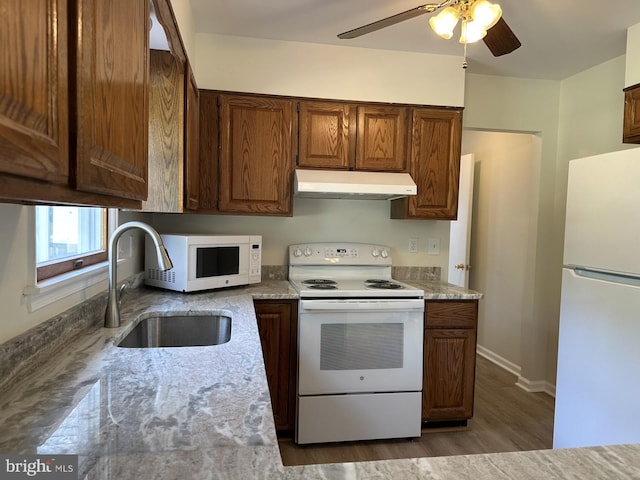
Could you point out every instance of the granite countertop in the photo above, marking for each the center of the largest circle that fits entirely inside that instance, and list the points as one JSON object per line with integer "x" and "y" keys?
{"x": 205, "y": 412}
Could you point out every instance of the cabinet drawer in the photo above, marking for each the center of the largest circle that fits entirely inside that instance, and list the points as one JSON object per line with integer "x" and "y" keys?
{"x": 451, "y": 314}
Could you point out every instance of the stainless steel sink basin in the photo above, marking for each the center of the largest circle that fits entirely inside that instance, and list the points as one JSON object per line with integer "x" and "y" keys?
{"x": 179, "y": 331}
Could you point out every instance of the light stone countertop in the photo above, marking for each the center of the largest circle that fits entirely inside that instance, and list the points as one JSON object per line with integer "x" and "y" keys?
{"x": 205, "y": 412}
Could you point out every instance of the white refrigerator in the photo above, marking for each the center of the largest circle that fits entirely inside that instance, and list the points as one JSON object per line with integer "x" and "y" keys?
{"x": 598, "y": 376}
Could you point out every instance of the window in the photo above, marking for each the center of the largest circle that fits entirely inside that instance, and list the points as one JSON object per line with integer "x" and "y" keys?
{"x": 69, "y": 238}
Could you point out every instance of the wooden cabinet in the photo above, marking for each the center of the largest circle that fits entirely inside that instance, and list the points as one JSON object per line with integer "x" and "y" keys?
{"x": 166, "y": 134}
{"x": 277, "y": 324}
{"x": 344, "y": 136}
{"x": 382, "y": 139}
{"x": 174, "y": 177}
{"x": 73, "y": 101}
{"x": 192, "y": 135}
{"x": 449, "y": 360}
{"x": 631, "y": 127}
{"x": 252, "y": 166}
{"x": 326, "y": 135}
{"x": 434, "y": 158}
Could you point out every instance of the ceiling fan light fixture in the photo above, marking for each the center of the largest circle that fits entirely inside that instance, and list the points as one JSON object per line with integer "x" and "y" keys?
{"x": 444, "y": 23}
{"x": 485, "y": 13}
{"x": 472, "y": 32}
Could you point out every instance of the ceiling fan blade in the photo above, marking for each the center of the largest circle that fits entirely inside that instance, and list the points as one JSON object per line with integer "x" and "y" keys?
{"x": 500, "y": 39}
{"x": 386, "y": 22}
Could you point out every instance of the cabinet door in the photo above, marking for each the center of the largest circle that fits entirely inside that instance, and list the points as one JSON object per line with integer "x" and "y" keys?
{"x": 192, "y": 133}
{"x": 435, "y": 165}
{"x": 34, "y": 137}
{"x": 631, "y": 129}
{"x": 449, "y": 374}
{"x": 256, "y": 166}
{"x": 166, "y": 134}
{"x": 208, "y": 151}
{"x": 382, "y": 139}
{"x": 326, "y": 135}
{"x": 110, "y": 108}
{"x": 277, "y": 322}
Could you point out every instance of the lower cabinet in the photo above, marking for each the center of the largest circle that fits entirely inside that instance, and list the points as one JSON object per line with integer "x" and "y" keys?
{"x": 449, "y": 360}
{"x": 278, "y": 327}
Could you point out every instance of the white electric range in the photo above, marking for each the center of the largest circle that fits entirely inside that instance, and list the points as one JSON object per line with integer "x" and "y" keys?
{"x": 360, "y": 336}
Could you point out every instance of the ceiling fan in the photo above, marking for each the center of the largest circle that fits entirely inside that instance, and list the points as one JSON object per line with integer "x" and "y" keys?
{"x": 479, "y": 20}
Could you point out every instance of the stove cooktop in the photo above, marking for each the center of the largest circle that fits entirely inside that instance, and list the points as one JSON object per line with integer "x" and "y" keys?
{"x": 345, "y": 288}
{"x": 345, "y": 269}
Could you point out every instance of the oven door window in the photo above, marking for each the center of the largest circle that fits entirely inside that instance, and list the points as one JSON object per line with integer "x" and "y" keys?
{"x": 359, "y": 351}
{"x": 361, "y": 346}
{"x": 217, "y": 261}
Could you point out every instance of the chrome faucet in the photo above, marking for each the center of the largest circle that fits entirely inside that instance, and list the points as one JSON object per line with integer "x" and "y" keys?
{"x": 112, "y": 315}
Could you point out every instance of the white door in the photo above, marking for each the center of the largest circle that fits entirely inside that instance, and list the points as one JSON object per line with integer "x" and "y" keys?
{"x": 460, "y": 230}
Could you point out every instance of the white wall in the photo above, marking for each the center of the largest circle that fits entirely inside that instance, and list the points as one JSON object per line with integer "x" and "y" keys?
{"x": 503, "y": 230}
{"x": 528, "y": 106}
{"x": 632, "y": 69}
{"x": 327, "y": 71}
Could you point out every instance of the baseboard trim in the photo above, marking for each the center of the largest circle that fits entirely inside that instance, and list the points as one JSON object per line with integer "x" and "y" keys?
{"x": 531, "y": 386}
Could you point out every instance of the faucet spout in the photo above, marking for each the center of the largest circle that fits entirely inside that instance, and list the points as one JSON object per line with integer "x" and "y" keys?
{"x": 112, "y": 314}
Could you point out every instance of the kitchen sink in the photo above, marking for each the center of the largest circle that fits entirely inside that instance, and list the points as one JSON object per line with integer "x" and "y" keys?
{"x": 179, "y": 331}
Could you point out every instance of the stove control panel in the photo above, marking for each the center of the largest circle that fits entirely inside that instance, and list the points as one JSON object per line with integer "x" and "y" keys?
{"x": 339, "y": 254}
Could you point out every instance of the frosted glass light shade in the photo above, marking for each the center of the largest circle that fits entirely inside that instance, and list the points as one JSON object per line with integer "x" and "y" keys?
{"x": 444, "y": 23}
{"x": 485, "y": 13}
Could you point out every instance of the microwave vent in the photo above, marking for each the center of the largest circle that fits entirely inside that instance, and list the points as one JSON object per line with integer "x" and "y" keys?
{"x": 166, "y": 276}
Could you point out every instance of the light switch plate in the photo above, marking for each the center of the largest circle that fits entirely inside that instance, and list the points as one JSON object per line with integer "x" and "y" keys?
{"x": 433, "y": 246}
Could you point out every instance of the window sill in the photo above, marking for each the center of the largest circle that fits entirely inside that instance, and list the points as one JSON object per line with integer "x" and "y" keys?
{"x": 54, "y": 289}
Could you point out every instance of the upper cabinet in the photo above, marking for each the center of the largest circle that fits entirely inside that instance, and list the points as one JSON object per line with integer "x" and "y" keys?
{"x": 631, "y": 127}
{"x": 434, "y": 159}
{"x": 173, "y": 120}
{"x": 345, "y": 136}
{"x": 326, "y": 135}
{"x": 246, "y": 154}
{"x": 382, "y": 139}
{"x": 73, "y": 102}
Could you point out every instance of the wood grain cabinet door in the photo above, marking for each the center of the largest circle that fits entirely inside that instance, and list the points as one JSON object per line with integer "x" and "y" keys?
{"x": 110, "y": 114}
{"x": 277, "y": 322}
{"x": 382, "y": 139}
{"x": 326, "y": 135}
{"x": 435, "y": 165}
{"x": 631, "y": 128}
{"x": 34, "y": 137}
{"x": 255, "y": 164}
{"x": 449, "y": 374}
{"x": 192, "y": 134}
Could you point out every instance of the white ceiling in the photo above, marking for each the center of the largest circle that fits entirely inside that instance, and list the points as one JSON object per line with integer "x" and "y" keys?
{"x": 559, "y": 37}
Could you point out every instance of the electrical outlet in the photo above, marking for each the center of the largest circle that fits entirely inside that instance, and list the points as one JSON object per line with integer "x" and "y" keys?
{"x": 413, "y": 245}
{"x": 433, "y": 246}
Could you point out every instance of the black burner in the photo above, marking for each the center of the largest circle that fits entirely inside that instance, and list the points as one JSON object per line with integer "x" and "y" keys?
{"x": 319, "y": 281}
{"x": 323, "y": 286}
{"x": 383, "y": 284}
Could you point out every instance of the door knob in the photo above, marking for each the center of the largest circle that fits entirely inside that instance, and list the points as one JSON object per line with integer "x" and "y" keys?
{"x": 459, "y": 266}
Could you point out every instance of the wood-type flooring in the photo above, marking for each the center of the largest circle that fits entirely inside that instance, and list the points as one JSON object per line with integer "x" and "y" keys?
{"x": 506, "y": 419}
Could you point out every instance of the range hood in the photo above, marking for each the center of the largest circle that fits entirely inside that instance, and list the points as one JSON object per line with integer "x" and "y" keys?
{"x": 353, "y": 185}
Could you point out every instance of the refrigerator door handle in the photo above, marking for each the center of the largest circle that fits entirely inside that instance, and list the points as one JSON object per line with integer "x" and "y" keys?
{"x": 625, "y": 279}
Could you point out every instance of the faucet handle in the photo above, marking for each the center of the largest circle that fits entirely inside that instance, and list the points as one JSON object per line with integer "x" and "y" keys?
{"x": 121, "y": 290}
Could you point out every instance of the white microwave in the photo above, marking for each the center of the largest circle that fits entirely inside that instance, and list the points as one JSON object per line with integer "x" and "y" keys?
{"x": 204, "y": 262}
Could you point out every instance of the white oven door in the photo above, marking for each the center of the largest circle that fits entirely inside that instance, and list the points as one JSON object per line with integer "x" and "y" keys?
{"x": 360, "y": 345}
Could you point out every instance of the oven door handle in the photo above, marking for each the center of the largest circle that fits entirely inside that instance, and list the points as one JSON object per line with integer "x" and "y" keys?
{"x": 362, "y": 304}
